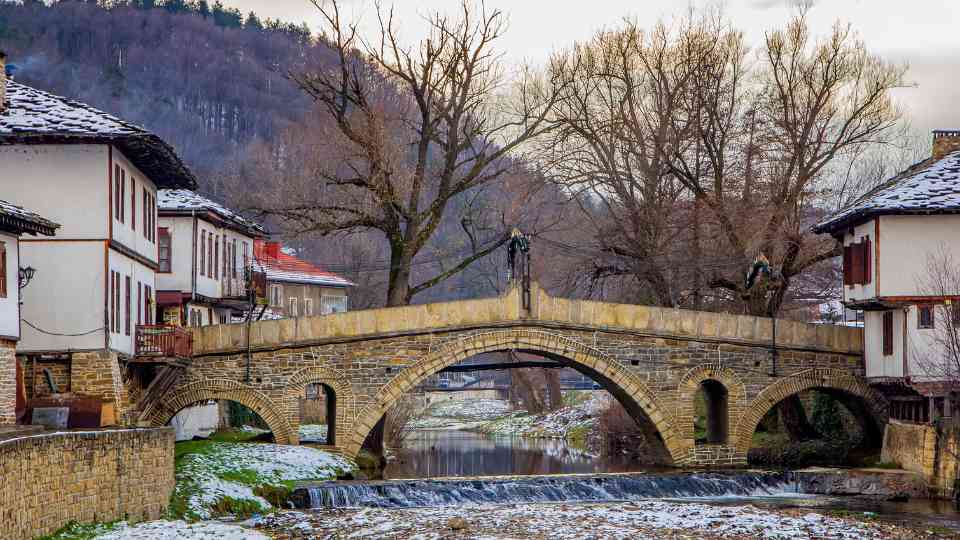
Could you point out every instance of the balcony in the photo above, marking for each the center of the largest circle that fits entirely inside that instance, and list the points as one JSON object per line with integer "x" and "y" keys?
{"x": 160, "y": 341}
{"x": 233, "y": 288}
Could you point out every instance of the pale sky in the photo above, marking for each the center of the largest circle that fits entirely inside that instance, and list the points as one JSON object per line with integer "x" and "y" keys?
{"x": 924, "y": 33}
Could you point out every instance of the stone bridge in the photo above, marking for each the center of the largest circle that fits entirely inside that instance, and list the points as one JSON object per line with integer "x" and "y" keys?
{"x": 652, "y": 359}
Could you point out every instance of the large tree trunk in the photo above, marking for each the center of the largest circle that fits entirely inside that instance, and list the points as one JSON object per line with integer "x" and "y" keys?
{"x": 398, "y": 285}
{"x": 794, "y": 419}
{"x": 554, "y": 392}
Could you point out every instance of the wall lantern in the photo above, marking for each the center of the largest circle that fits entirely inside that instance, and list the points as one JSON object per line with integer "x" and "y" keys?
{"x": 25, "y": 275}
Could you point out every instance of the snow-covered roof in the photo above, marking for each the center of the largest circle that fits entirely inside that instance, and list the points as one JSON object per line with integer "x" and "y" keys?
{"x": 172, "y": 201}
{"x": 282, "y": 267}
{"x": 929, "y": 187}
{"x": 36, "y": 117}
{"x": 15, "y": 219}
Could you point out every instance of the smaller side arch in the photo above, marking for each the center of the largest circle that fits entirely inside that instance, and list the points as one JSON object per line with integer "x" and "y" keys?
{"x": 817, "y": 378}
{"x": 689, "y": 385}
{"x": 160, "y": 413}
{"x": 346, "y": 403}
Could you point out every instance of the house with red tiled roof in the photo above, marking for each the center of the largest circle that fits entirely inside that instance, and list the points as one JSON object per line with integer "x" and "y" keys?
{"x": 297, "y": 288}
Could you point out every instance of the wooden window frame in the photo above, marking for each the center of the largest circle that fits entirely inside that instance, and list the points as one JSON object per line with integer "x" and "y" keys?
{"x": 133, "y": 204}
{"x": 128, "y": 294}
{"x": 140, "y": 310}
{"x": 926, "y": 308}
{"x": 293, "y": 309}
{"x": 203, "y": 252}
{"x": 307, "y": 307}
{"x": 887, "y": 333}
{"x": 216, "y": 256}
{"x": 209, "y": 255}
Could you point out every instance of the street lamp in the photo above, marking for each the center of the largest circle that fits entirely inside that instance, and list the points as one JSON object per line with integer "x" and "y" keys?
{"x": 25, "y": 275}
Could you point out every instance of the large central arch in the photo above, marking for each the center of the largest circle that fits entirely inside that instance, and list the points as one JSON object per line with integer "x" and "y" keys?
{"x": 625, "y": 385}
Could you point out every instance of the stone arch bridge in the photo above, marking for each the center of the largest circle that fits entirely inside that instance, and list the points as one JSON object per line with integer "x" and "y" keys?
{"x": 652, "y": 359}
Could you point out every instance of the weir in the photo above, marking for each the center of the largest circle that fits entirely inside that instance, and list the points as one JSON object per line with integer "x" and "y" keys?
{"x": 540, "y": 489}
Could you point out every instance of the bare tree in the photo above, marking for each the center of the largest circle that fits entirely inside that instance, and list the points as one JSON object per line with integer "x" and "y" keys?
{"x": 396, "y": 425}
{"x": 414, "y": 128}
{"x": 702, "y": 159}
{"x": 938, "y": 357}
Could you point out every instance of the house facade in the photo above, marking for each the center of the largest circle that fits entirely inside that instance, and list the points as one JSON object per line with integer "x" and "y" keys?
{"x": 205, "y": 251}
{"x": 97, "y": 176}
{"x": 14, "y": 222}
{"x": 895, "y": 240}
{"x": 296, "y": 288}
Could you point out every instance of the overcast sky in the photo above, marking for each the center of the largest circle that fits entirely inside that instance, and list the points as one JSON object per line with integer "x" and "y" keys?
{"x": 924, "y": 33}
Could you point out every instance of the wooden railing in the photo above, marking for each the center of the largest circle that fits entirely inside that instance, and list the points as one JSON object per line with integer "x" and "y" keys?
{"x": 163, "y": 341}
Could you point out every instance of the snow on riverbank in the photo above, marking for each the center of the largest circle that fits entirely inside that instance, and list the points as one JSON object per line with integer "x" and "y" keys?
{"x": 180, "y": 530}
{"x": 641, "y": 520}
{"x": 210, "y": 473}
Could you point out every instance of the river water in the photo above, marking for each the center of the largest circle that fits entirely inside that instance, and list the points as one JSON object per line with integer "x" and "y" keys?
{"x": 579, "y": 476}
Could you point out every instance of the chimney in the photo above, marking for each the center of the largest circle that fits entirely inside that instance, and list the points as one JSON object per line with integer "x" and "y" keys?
{"x": 945, "y": 141}
{"x": 273, "y": 250}
{"x": 3, "y": 81}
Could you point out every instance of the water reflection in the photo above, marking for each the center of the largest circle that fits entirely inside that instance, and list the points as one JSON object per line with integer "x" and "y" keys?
{"x": 435, "y": 453}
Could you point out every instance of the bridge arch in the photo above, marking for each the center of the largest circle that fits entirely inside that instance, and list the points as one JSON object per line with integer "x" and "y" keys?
{"x": 718, "y": 378}
{"x": 344, "y": 406}
{"x": 839, "y": 382}
{"x": 217, "y": 389}
{"x": 627, "y": 387}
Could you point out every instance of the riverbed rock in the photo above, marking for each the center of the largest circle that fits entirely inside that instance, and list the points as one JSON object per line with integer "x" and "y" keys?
{"x": 458, "y": 524}
{"x": 885, "y": 484}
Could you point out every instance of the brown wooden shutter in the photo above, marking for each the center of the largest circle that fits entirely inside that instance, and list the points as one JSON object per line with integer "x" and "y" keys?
{"x": 856, "y": 263}
{"x": 887, "y": 333}
{"x": 848, "y": 265}
{"x": 867, "y": 260}
{"x": 127, "y": 305}
{"x": 3, "y": 270}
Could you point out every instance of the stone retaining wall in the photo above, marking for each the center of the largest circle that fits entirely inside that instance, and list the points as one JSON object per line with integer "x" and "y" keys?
{"x": 49, "y": 480}
{"x": 8, "y": 382}
{"x": 925, "y": 449}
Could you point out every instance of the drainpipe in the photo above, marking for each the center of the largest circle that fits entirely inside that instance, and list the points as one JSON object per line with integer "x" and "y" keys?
{"x": 193, "y": 262}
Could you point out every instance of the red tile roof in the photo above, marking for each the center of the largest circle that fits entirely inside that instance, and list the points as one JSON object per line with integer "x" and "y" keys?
{"x": 280, "y": 266}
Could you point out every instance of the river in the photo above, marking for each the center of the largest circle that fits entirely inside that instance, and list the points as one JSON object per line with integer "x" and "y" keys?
{"x": 437, "y": 454}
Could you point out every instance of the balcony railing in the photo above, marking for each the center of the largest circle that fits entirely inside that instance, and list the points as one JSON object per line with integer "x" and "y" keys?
{"x": 160, "y": 340}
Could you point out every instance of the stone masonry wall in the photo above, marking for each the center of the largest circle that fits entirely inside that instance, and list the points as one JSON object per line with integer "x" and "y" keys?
{"x": 927, "y": 450}
{"x": 49, "y": 480}
{"x": 8, "y": 382}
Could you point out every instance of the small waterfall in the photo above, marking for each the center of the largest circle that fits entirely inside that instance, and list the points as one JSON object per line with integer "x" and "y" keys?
{"x": 618, "y": 487}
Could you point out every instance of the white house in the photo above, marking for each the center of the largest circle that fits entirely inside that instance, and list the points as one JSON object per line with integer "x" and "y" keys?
{"x": 892, "y": 237}
{"x": 205, "y": 251}
{"x": 97, "y": 176}
{"x": 14, "y": 222}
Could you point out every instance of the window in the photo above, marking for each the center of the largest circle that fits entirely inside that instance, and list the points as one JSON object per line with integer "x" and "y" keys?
{"x": 117, "y": 201}
{"x": 140, "y": 309}
{"x": 955, "y": 315}
{"x": 133, "y": 204}
{"x": 3, "y": 270}
{"x": 308, "y": 306}
{"x": 115, "y": 299}
{"x": 164, "y": 250}
{"x": 292, "y": 308}
{"x": 144, "y": 205}
{"x": 925, "y": 317}
{"x": 233, "y": 259}
{"x": 857, "y": 269}
{"x": 276, "y": 296}
{"x": 148, "y": 307}
{"x": 332, "y": 304}
{"x": 203, "y": 252}
{"x": 127, "y": 304}
{"x": 887, "y": 333}
{"x": 246, "y": 256}
{"x": 216, "y": 257}
{"x": 209, "y": 255}
{"x": 122, "y": 199}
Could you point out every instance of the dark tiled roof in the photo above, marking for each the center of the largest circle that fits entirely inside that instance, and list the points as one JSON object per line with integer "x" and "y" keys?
{"x": 929, "y": 187}
{"x": 288, "y": 268}
{"x": 36, "y": 117}
{"x": 15, "y": 219}
{"x": 184, "y": 200}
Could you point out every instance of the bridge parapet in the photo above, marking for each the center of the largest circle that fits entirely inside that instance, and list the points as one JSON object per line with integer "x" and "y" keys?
{"x": 545, "y": 310}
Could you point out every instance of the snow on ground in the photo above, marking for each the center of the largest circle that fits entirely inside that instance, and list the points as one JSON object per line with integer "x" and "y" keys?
{"x": 313, "y": 433}
{"x": 232, "y": 470}
{"x": 180, "y": 530}
{"x": 640, "y": 520}
{"x": 463, "y": 414}
{"x": 558, "y": 424}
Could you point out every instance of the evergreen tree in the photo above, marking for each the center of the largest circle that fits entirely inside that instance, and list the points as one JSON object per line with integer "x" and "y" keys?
{"x": 826, "y": 417}
{"x": 253, "y": 22}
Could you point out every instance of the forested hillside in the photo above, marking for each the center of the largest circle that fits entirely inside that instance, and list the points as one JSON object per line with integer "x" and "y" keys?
{"x": 206, "y": 78}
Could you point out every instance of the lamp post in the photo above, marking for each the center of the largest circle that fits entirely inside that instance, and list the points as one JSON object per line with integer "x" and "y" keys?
{"x": 24, "y": 275}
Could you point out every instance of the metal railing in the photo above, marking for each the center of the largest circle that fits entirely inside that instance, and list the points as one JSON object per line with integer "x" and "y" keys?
{"x": 163, "y": 340}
